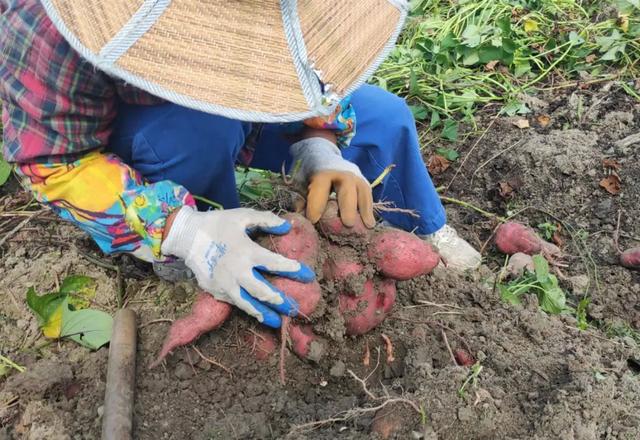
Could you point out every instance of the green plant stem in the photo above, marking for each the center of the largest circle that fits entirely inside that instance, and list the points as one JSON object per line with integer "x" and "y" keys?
{"x": 473, "y": 208}
{"x": 10, "y": 363}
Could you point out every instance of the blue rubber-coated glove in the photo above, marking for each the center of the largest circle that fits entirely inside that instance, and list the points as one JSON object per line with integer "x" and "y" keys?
{"x": 228, "y": 264}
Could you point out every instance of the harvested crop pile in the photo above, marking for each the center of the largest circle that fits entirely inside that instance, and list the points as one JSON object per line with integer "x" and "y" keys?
{"x": 357, "y": 269}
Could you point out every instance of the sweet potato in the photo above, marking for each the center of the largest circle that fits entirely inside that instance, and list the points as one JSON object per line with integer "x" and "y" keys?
{"x": 343, "y": 269}
{"x": 512, "y": 238}
{"x": 330, "y": 224}
{"x": 463, "y": 357}
{"x": 366, "y": 311}
{"x": 305, "y": 343}
{"x": 301, "y": 243}
{"x": 631, "y": 258}
{"x": 261, "y": 342}
{"x": 401, "y": 255}
{"x": 307, "y": 295}
{"x": 207, "y": 313}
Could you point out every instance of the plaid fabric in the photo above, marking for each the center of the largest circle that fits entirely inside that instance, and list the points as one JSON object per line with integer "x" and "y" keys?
{"x": 55, "y": 103}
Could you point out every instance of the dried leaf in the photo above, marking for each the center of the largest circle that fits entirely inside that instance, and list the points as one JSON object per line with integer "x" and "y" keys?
{"x": 438, "y": 164}
{"x": 521, "y": 123}
{"x": 612, "y": 184}
{"x": 506, "y": 190}
{"x": 557, "y": 236}
{"x": 611, "y": 164}
{"x": 491, "y": 65}
{"x": 544, "y": 120}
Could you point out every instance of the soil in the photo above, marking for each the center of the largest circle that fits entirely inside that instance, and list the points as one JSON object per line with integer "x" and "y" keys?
{"x": 537, "y": 376}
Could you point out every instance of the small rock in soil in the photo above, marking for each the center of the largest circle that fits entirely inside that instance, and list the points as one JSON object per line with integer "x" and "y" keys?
{"x": 466, "y": 414}
{"x": 183, "y": 372}
{"x": 338, "y": 369}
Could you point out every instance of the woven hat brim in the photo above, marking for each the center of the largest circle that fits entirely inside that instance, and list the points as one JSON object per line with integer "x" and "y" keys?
{"x": 255, "y": 60}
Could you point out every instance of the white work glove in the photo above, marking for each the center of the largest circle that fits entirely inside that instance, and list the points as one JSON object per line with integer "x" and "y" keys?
{"x": 217, "y": 248}
{"x": 319, "y": 165}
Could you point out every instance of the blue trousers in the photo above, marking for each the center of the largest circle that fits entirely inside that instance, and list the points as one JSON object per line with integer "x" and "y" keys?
{"x": 199, "y": 151}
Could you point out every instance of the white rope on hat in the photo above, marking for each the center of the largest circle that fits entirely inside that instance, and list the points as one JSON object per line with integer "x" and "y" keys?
{"x": 311, "y": 83}
{"x": 138, "y": 25}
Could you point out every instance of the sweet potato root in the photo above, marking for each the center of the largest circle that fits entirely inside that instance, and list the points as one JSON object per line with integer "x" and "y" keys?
{"x": 370, "y": 308}
{"x": 631, "y": 258}
{"x": 262, "y": 343}
{"x": 401, "y": 255}
{"x": 207, "y": 313}
{"x": 305, "y": 343}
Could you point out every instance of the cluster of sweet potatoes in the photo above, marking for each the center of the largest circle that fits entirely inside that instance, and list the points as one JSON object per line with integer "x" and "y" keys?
{"x": 357, "y": 269}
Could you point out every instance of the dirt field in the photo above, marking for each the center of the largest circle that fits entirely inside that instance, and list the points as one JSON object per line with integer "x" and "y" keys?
{"x": 541, "y": 377}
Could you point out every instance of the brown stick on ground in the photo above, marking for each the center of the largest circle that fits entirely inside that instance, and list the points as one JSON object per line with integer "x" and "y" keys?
{"x": 117, "y": 421}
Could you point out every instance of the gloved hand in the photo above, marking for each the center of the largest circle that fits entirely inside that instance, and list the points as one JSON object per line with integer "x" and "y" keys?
{"x": 323, "y": 169}
{"x": 216, "y": 246}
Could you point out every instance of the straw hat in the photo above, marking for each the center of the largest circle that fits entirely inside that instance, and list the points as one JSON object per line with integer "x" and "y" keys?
{"x": 255, "y": 60}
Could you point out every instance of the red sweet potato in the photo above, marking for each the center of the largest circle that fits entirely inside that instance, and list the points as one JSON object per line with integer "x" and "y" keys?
{"x": 631, "y": 258}
{"x": 307, "y": 295}
{"x": 305, "y": 343}
{"x": 301, "y": 243}
{"x": 401, "y": 255}
{"x": 463, "y": 357}
{"x": 207, "y": 313}
{"x": 330, "y": 224}
{"x": 512, "y": 238}
{"x": 339, "y": 269}
{"x": 366, "y": 311}
{"x": 261, "y": 342}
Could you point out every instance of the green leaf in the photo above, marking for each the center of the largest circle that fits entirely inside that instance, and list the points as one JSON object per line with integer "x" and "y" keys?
{"x": 541, "y": 267}
{"x": 435, "y": 119}
{"x": 419, "y": 112}
{"x": 448, "y": 153}
{"x": 508, "y": 296}
{"x": 90, "y": 328}
{"x": 414, "y": 87}
{"x": 450, "y": 130}
{"x": 551, "y": 298}
{"x": 76, "y": 284}
{"x": 81, "y": 290}
{"x": 44, "y": 306}
{"x": 471, "y": 36}
{"x": 5, "y": 170}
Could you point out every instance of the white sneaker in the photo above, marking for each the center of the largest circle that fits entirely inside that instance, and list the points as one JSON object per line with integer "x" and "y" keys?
{"x": 456, "y": 253}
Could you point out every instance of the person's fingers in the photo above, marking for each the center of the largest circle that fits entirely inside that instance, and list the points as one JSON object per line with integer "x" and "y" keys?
{"x": 318, "y": 196}
{"x": 347, "y": 201}
{"x": 276, "y": 264}
{"x": 365, "y": 203}
{"x": 258, "y": 310}
{"x": 299, "y": 205}
{"x": 265, "y": 221}
{"x": 261, "y": 289}
{"x": 272, "y": 261}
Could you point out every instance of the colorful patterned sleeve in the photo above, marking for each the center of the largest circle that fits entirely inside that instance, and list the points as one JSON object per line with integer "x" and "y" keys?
{"x": 109, "y": 200}
{"x": 342, "y": 121}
